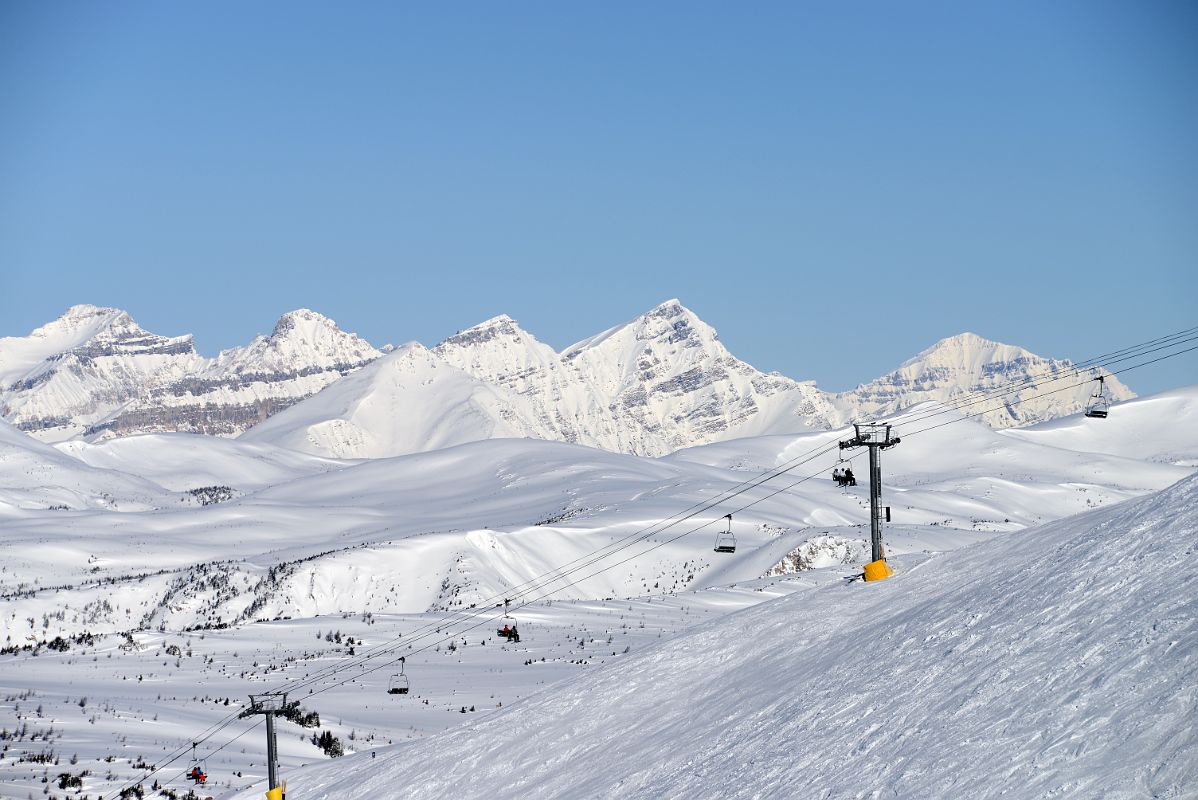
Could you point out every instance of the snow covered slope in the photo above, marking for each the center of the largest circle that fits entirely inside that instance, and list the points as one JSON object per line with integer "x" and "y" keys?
{"x": 409, "y": 401}
{"x": 958, "y": 472}
{"x": 1162, "y": 427}
{"x": 1061, "y": 661}
{"x": 455, "y": 525}
{"x": 182, "y": 461}
{"x": 410, "y": 540}
{"x": 34, "y": 475}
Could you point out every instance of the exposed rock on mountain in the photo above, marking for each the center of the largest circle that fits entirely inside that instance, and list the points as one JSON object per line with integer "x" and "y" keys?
{"x": 658, "y": 383}
{"x": 669, "y": 382}
{"x": 953, "y": 368}
{"x": 95, "y": 372}
{"x": 558, "y": 398}
{"x": 243, "y": 386}
{"x": 78, "y": 370}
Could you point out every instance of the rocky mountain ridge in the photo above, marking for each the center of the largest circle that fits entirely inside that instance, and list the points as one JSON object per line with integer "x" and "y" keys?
{"x": 954, "y": 368}
{"x": 95, "y": 373}
{"x": 655, "y": 384}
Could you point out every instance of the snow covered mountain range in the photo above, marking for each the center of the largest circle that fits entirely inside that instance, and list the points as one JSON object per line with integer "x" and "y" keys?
{"x": 95, "y": 373}
{"x": 656, "y": 384}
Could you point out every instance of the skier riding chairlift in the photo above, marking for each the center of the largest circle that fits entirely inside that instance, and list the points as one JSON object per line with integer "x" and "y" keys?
{"x": 842, "y": 473}
{"x": 509, "y": 630}
{"x": 197, "y": 772}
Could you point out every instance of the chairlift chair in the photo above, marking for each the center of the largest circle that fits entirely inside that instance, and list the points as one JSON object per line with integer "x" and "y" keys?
{"x": 508, "y": 622}
{"x": 1100, "y": 401}
{"x": 841, "y": 465}
{"x": 399, "y": 683}
{"x": 725, "y": 542}
{"x": 197, "y": 772}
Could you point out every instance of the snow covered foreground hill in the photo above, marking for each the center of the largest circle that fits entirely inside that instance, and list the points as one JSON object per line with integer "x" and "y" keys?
{"x": 1061, "y": 661}
{"x": 444, "y": 529}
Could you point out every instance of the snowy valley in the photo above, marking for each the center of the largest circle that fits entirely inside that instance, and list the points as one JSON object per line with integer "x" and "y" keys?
{"x": 386, "y": 503}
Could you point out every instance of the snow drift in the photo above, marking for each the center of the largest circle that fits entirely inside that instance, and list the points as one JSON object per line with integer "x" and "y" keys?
{"x": 1061, "y": 661}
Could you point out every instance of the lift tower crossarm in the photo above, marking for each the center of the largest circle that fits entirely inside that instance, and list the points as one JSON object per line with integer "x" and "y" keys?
{"x": 876, "y": 437}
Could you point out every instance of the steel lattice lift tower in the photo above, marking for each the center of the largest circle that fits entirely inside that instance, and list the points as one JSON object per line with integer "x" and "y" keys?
{"x": 877, "y": 437}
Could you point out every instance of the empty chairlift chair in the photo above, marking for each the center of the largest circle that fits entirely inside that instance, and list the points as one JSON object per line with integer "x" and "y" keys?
{"x": 725, "y": 542}
{"x": 1100, "y": 401}
{"x": 399, "y": 683}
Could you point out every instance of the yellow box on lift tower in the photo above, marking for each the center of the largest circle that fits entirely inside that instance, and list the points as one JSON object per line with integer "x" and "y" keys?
{"x": 877, "y": 570}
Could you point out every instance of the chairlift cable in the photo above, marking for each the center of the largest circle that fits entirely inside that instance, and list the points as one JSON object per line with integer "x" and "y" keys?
{"x": 669, "y": 540}
{"x": 644, "y": 534}
{"x": 1016, "y": 386}
{"x": 582, "y": 562}
{"x": 980, "y": 395}
{"x": 1095, "y": 361}
{"x": 699, "y": 507}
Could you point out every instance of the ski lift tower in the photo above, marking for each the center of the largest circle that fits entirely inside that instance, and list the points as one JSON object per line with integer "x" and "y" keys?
{"x": 877, "y": 437}
{"x": 269, "y": 704}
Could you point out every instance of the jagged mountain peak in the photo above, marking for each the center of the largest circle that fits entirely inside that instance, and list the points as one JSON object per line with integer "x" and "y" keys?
{"x": 301, "y": 319}
{"x": 498, "y": 319}
{"x": 669, "y": 322}
{"x": 963, "y": 340}
{"x": 82, "y": 322}
{"x": 968, "y": 363}
{"x": 307, "y": 335}
{"x": 673, "y": 305}
{"x": 87, "y": 310}
{"x": 500, "y": 352}
{"x": 87, "y": 331}
{"x": 673, "y": 322}
{"x": 485, "y": 331}
{"x": 968, "y": 345}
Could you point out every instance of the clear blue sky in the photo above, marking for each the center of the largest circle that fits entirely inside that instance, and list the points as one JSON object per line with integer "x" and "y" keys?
{"x": 833, "y": 186}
